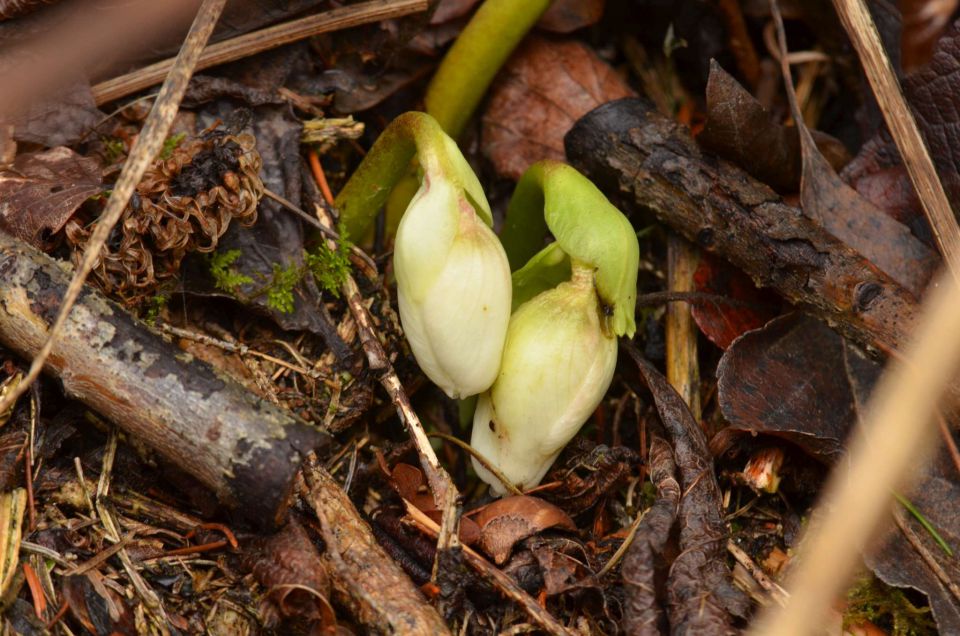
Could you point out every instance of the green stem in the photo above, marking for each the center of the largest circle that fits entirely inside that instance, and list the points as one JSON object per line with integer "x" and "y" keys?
{"x": 588, "y": 228}
{"x": 474, "y": 59}
{"x": 408, "y": 136}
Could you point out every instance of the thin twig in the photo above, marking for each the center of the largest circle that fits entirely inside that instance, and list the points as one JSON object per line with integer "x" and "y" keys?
{"x": 149, "y": 143}
{"x": 777, "y": 593}
{"x": 444, "y": 491}
{"x": 501, "y": 581}
{"x": 263, "y": 40}
{"x": 860, "y": 27}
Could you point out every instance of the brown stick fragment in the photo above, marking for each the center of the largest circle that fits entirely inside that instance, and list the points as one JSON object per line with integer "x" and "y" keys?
{"x": 647, "y": 162}
{"x": 245, "y": 450}
{"x": 263, "y": 40}
{"x": 495, "y": 575}
{"x": 445, "y": 493}
{"x": 365, "y": 580}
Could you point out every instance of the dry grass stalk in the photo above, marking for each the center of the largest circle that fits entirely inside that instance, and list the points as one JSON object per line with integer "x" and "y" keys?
{"x": 894, "y": 440}
{"x": 903, "y": 127}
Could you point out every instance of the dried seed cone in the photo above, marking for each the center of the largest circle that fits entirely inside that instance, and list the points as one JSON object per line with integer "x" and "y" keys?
{"x": 183, "y": 204}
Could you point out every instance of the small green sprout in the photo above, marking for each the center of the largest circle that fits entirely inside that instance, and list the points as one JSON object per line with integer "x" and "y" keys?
{"x": 170, "y": 144}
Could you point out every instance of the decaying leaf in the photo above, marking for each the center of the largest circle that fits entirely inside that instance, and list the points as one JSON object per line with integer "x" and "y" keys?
{"x": 642, "y": 611}
{"x": 567, "y": 16}
{"x": 544, "y": 88}
{"x": 700, "y": 591}
{"x": 723, "y": 322}
{"x": 97, "y": 607}
{"x": 511, "y": 519}
{"x": 739, "y": 128}
{"x": 586, "y": 472}
{"x": 293, "y": 575}
{"x": 797, "y": 379}
{"x": 839, "y": 209}
{"x": 41, "y": 191}
{"x": 409, "y": 482}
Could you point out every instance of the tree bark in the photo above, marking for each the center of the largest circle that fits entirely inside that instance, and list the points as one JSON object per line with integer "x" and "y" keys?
{"x": 247, "y": 451}
{"x": 646, "y": 162}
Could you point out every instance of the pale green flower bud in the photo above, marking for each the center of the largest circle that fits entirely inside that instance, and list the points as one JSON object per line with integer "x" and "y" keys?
{"x": 557, "y": 365}
{"x": 453, "y": 279}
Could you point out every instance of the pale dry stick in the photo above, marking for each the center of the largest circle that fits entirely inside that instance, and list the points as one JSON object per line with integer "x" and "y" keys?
{"x": 897, "y": 435}
{"x": 495, "y": 575}
{"x": 148, "y": 144}
{"x": 683, "y": 369}
{"x": 859, "y": 26}
{"x": 263, "y": 40}
{"x": 777, "y": 593}
{"x": 445, "y": 492}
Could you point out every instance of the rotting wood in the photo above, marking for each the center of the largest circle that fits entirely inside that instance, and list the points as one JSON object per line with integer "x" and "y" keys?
{"x": 645, "y": 162}
{"x": 245, "y": 450}
{"x": 365, "y": 579}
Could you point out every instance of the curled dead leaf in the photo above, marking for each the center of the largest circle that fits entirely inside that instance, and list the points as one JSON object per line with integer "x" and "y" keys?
{"x": 42, "y": 190}
{"x": 544, "y": 88}
{"x": 512, "y": 519}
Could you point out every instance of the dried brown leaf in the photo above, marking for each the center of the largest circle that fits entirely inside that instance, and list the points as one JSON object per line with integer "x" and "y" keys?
{"x": 739, "y": 128}
{"x": 40, "y": 193}
{"x": 511, "y": 519}
{"x": 642, "y": 611}
{"x": 567, "y": 16}
{"x": 700, "y": 591}
{"x": 797, "y": 379}
{"x": 289, "y": 567}
{"x": 544, "y": 88}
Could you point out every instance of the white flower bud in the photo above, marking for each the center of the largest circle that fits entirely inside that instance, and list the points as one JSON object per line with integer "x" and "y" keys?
{"x": 557, "y": 365}
{"x": 453, "y": 286}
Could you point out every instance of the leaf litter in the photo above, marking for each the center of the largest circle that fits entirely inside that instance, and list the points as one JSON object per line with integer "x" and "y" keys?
{"x": 600, "y": 546}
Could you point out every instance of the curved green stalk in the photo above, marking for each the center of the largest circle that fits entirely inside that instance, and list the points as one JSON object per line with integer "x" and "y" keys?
{"x": 588, "y": 228}
{"x": 474, "y": 59}
{"x": 410, "y": 135}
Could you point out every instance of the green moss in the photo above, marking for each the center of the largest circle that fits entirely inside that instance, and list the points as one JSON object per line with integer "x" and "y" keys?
{"x": 225, "y": 277}
{"x": 887, "y": 607}
{"x": 280, "y": 290}
{"x": 330, "y": 267}
{"x": 170, "y": 144}
{"x": 154, "y": 306}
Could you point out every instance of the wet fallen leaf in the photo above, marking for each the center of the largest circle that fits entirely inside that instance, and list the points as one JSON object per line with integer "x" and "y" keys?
{"x": 642, "y": 610}
{"x": 567, "y": 16}
{"x": 700, "y": 591}
{"x": 740, "y": 129}
{"x": 409, "y": 482}
{"x": 720, "y": 322}
{"x": 293, "y": 575}
{"x": 511, "y": 519}
{"x": 95, "y": 606}
{"x": 59, "y": 120}
{"x": 41, "y": 191}
{"x": 797, "y": 379}
{"x": 544, "y": 88}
